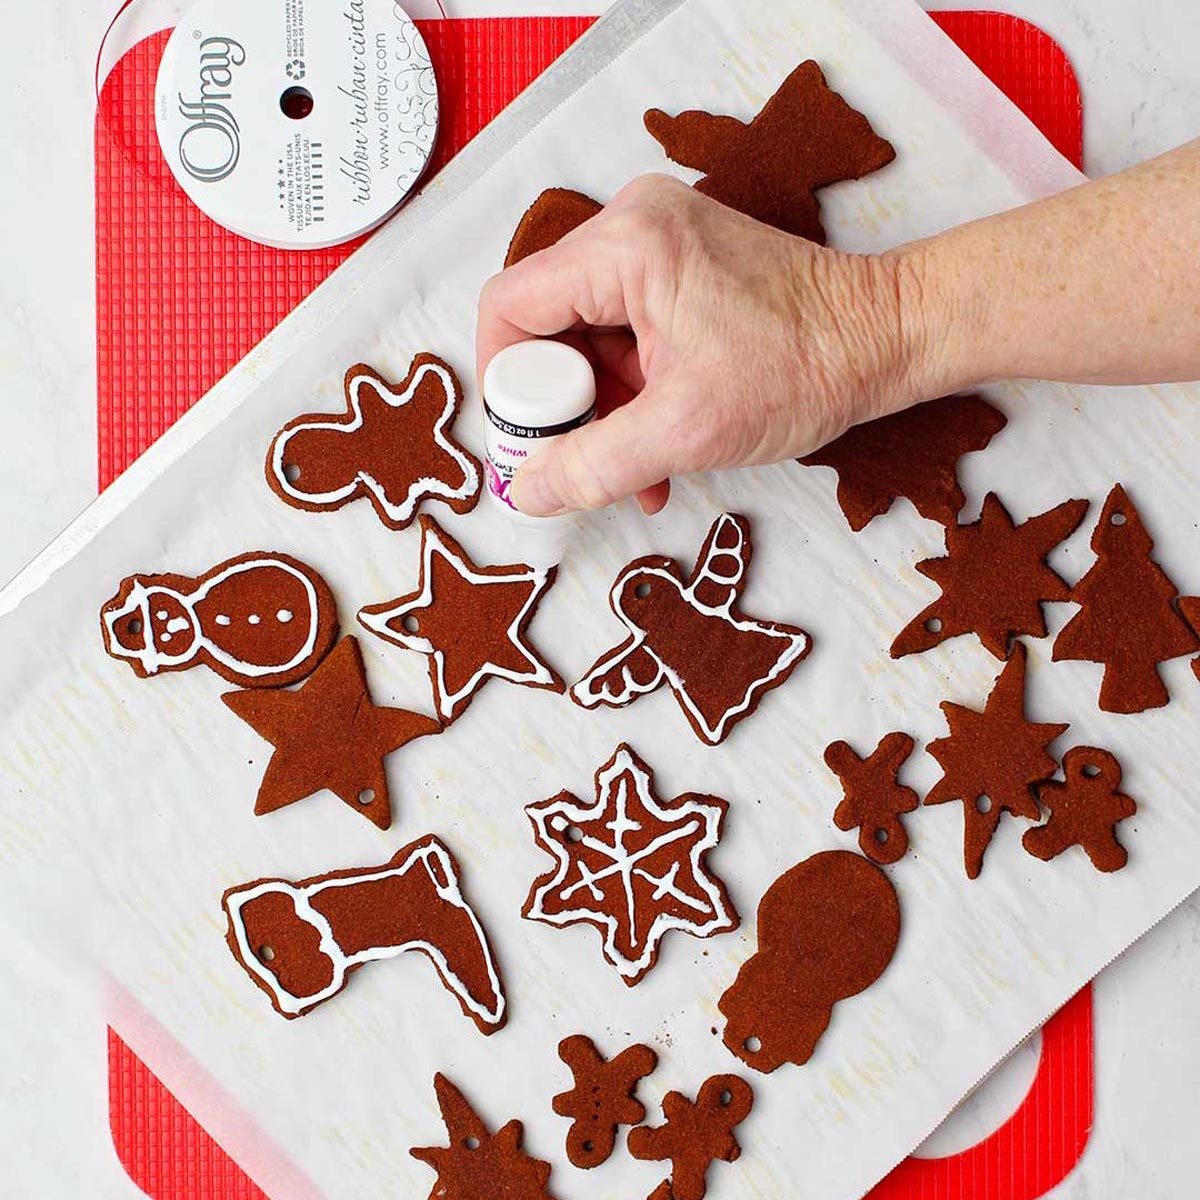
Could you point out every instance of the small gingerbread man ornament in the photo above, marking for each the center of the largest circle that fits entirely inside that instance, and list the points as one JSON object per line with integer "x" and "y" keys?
{"x": 1085, "y": 809}
{"x": 874, "y": 797}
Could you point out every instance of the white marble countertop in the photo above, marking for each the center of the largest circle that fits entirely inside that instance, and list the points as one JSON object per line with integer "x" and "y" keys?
{"x": 1137, "y": 66}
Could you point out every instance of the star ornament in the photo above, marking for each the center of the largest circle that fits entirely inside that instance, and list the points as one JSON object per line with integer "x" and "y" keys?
{"x": 993, "y": 760}
{"x": 630, "y": 865}
{"x": 329, "y": 735}
{"x": 469, "y": 621}
{"x": 994, "y": 578}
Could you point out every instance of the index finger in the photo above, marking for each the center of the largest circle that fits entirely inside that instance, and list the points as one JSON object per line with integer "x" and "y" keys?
{"x": 574, "y": 283}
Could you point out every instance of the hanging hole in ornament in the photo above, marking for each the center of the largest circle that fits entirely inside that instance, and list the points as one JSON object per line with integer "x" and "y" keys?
{"x": 574, "y": 833}
{"x": 983, "y": 803}
{"x": 642, "y": 591}
{"x": 266, "y": 954}
{"x": 726, "y": 1098}
{"x": 366, "y": 796}
{"x": 291, "y": 472}
{"x": 881, "y": 836}
{"x": 296, "y": 103}
{"x": 588, "y": 1147}
{"x": 752, "y": 1045}
{"x": 471, "y": 1143}
{"x": 1091, "y": 770}
{"x": 411, "y": 624}
{"x": 1118, "y": 518}
{"x": 134, "y": 626}
{"x": 933, "y": 625}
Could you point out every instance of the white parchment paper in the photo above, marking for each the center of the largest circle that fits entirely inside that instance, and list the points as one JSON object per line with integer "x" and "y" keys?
{"x": 126, "y": 805}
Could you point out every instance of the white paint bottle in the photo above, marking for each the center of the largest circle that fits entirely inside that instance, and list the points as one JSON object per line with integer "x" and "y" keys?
{"x": 533, "y": 392}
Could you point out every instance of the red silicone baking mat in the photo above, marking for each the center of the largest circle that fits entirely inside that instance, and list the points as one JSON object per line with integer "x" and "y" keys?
{"x": 179, "y": 301}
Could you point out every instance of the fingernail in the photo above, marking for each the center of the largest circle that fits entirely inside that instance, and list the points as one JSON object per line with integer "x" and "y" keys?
{"x": 533, "y": 495}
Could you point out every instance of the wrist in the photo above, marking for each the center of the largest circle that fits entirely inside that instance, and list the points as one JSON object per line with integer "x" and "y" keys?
{"x": 942, "y": 318}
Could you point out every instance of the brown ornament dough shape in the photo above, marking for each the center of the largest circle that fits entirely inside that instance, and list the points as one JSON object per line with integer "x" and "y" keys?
{"x": 601, "y": 1098}
{"x": 262, "y": 619}
{"x": 691, "y": 635}
{"x": 479, "y": 1164}
{"x": 469, "y": 621}
{"x": 554, "y": 214}
{"x": 874, "y": 799}
{"x": 994, "y": 578}
{"x": 806, "y": 137}
{"x": 329, "y": 734}
{"x": 1128, "y": 619}
{"x": 827, "y": 929}
{"x": 696, "y": 1134}
{"x": 1085, "y": 808}
{"x": 631, "y": 865}
{"x": 913, "y": 454}
{"x": 993, "y": 760}
{"x": 277, "y": 931}
{"x": 392, "y": 444}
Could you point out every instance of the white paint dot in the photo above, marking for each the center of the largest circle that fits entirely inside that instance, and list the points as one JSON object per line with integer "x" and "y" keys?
{"x": 161, "y": 614}
{"x": 254, "y": 619}
{"x": 283, "y": 616}
{"x": 222, "y": 619}
{"x": 559, "y": 822}
{"x": 166, "y": 637}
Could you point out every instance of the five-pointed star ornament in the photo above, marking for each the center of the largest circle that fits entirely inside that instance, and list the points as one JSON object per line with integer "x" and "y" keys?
{"x": 630, "y": 865}
{"x": 470, "y": 621}
{"x": 328, "y": 734}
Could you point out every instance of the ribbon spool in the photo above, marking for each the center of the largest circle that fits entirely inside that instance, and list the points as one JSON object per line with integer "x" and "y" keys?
{"x": 297, "y": 124}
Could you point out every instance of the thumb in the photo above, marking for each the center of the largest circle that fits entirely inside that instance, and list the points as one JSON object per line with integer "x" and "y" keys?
{"x": 627, "y": 451}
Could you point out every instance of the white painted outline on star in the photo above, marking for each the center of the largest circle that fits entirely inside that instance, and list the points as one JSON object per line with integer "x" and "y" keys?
{"x": 380, "y": 621}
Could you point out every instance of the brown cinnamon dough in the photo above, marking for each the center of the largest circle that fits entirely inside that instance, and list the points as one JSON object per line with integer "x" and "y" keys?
{"x": 827, "y": 929}
{"x": 874, "y": 799}
{"x": 697, "y": 1133}
{"x": 549, "y": 219}
{"x": 1085, "y": 808}
{"x": 994, "y": 578}
{"x": 1128, "y": 619}
{"x": 601, "y": 1098}
{"x": 479, "y": 1164}
{"x": 806, "y": 137}
{"x": 992, "y": 761}
{"x": 913, "y": 454}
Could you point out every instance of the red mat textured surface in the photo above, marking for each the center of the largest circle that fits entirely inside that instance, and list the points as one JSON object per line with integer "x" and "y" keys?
{"x": 180, "y": 301}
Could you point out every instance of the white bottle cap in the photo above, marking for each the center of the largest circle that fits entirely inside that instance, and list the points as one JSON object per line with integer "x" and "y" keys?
{"x": 533, "y": 392}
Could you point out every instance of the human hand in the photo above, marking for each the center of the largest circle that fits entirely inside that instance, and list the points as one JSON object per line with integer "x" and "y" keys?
{"x": 717, "y": 342}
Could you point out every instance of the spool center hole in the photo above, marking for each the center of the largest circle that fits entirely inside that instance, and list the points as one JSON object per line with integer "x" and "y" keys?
{"x": 296, "y": 103}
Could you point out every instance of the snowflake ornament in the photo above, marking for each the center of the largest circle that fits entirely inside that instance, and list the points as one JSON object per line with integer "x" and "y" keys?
{"x": 631, "y": 865}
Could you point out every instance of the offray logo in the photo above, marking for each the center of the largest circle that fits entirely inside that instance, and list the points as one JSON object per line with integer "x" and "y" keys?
{"x": 210, "y": 145}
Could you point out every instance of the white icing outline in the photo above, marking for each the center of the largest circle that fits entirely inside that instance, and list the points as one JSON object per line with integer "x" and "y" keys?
{"x": 422, "y": 851}
{"x": 588, "y": 695}
{"x": 378, "y": 622}
{"x": 425, "y": 487}
{"x": 683, "y": 816}
{"x": 152, "y": 657}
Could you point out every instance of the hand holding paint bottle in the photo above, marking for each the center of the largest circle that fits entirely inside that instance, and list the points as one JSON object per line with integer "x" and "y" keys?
{"x": 533, "y": 392}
